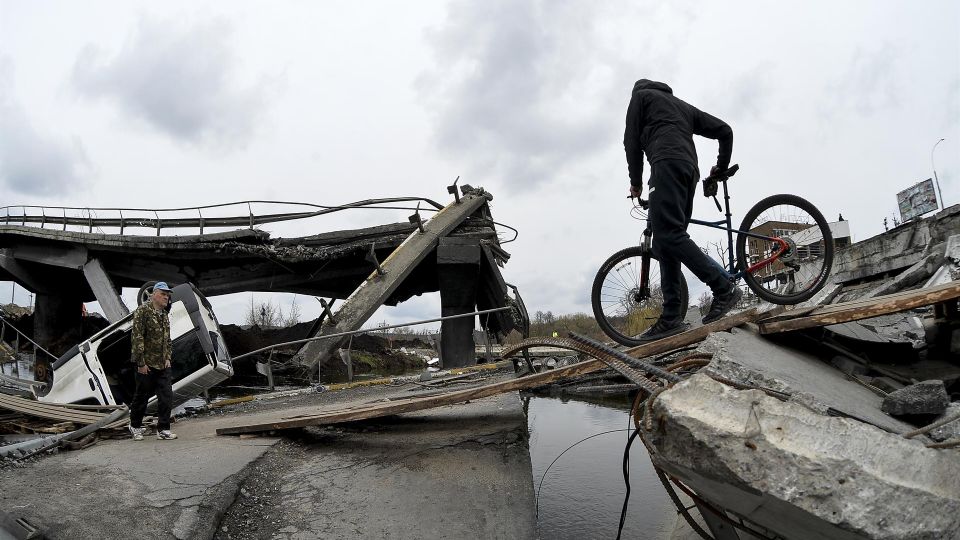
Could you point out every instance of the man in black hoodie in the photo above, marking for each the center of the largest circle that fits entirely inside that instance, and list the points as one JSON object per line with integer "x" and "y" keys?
{"x": 662, "y": 127}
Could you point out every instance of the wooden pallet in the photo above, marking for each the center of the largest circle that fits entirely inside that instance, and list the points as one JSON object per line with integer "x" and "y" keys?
{"x": 855, "y": 310}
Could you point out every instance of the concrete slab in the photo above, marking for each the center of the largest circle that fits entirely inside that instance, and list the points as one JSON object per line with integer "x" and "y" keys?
{"x": 459, "y": 471}
{"x": 127, "y": 489}
{"x": 800, "y": 474}
{"x": 746, "y": 356}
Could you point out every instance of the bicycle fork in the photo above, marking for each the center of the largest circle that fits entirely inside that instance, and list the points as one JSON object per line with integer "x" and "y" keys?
{"x": 645, "y": 247}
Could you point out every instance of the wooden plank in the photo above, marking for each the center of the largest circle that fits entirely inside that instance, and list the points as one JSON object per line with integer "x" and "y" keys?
{"x": 861, "y": 309}
{"x": 48, "y": 410}
{"x": 376, "y": 289}
{"x": 270, "y": 422}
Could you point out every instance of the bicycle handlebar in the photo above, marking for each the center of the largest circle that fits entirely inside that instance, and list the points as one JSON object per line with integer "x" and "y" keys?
{"x": 709, "y": 192}
{"x": 642, "y": 203}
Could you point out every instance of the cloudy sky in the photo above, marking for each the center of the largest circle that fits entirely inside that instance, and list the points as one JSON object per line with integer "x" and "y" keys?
{"x": 176, "y": 104}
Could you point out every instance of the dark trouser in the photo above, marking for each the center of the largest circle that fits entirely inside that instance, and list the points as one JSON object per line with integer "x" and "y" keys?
{"x": 159, "y": 382}
{"x": 673, "y": 184}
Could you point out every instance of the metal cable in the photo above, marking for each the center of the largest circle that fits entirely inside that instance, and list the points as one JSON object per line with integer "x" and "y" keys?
{"x": 361, "y": 331}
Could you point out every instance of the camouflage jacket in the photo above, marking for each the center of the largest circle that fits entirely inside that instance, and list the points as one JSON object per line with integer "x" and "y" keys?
{"x": 150, "y": 337}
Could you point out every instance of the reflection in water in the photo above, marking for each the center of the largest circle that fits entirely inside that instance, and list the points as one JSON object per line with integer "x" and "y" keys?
{"x": 583, "y": 492}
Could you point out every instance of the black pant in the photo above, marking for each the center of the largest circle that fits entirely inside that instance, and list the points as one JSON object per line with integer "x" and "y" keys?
{"x": 673, "y": 184}
{"x": 156, "y": 381}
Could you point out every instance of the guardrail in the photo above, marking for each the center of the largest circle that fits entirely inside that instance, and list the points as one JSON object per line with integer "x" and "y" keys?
{"x": 91, "y": 218}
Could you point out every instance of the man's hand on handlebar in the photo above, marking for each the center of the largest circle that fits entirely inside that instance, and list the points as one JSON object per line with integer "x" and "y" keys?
{"x": 635, "y": 191}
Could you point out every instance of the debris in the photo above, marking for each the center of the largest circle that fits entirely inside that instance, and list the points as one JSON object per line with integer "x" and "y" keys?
{"x": 777, "y": 463}
{"x": 274, "y": 421}
{"x": 231, "y": 401}
{"x": 849, "y": 366}
{"x": 860, "y": 309}
{"x": 927, "y": 397}
{"x": 950, "y": 430}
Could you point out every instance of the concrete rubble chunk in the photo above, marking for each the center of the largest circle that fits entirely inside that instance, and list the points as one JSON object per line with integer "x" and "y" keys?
{"x": 927, "y": 397}
{"x": 802, "y": 474}
{"x": 950, "y": 430}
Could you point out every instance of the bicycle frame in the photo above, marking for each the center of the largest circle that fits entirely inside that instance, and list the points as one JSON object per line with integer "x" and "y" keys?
{"x": 727, "y": 225}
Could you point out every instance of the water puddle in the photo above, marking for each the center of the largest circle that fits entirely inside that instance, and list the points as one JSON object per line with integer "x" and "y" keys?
{"x": 583, "y": 491}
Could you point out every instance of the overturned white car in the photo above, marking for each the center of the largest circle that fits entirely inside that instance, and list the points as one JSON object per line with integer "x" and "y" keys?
{"x": 98, "y": 371}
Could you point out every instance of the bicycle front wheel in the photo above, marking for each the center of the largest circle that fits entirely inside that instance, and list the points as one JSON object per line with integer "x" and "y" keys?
{"x": 622, "y": 308}
{"x": 793, "y": 261}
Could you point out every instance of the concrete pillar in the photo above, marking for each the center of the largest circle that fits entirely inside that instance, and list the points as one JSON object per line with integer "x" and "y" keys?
{"x": 458, "y": 270}
{"x": 106, "y": 292}
{"x": 56, "y": 324}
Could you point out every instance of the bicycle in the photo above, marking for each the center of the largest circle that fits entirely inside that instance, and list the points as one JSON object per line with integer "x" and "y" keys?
{"x": 784, "y": 253}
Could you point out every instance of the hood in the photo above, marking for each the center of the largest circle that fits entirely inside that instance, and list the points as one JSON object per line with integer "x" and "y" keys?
{"x": 646, "y": 84}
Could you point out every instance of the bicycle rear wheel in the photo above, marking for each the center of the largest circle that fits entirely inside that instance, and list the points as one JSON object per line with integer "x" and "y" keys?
{"x": 802, "y": 261}
{"x": 621, "y": 308}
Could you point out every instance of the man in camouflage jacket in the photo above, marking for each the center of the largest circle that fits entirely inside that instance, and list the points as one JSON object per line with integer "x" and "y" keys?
{"x": 151, "y": 347}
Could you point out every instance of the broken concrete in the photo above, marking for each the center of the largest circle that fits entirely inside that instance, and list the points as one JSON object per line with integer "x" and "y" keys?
{"x": 162, "y": 488}
{"x": 749, "y": 358}
{"x": 454, "y": 472}
{"x": 801, "y": 474}
{"x": 927, "y": 397}
{"x": 950, "y": 430}
{"x": 897, "y": 249}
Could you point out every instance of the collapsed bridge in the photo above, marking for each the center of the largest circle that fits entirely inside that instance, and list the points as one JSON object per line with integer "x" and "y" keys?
{"x": 65, "y": 258}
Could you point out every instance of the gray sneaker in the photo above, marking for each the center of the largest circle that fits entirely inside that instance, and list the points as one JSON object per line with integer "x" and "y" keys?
{"x": 136, "y": 432}
{"x": 166, "y": 435}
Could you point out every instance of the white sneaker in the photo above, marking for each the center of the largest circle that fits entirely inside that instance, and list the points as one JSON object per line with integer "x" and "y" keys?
{"x": 136, "y": 432}
{"x": 165, "y": 435}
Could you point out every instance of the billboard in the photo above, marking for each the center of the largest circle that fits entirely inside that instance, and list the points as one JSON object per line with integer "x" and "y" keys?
{"x": 917, "y": 200}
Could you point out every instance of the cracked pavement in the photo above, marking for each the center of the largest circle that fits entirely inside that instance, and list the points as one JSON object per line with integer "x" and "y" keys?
{"x": 125, "y": 489}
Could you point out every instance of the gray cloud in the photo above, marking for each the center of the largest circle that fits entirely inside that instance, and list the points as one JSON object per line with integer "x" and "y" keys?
{"x": 178, "y": 79}
{"x": 35, "y": 161}
{"x": 524, "y": 89}
{"x": 869, "y": 83}
{"x": 748, "y": 96}
{"x": 505, "y": 73}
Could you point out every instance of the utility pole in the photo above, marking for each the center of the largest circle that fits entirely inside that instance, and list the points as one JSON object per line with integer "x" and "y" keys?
{"x": 936, "y": 179}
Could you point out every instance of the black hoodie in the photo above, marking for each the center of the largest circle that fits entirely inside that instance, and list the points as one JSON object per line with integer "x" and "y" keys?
{"x": 662, "y": 126}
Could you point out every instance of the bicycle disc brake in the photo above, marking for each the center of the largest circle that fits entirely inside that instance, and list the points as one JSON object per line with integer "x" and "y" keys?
{"x": 789, "y": 256}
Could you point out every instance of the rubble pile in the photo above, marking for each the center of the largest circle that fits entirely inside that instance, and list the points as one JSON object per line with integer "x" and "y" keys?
{"x": 784, "y": 466}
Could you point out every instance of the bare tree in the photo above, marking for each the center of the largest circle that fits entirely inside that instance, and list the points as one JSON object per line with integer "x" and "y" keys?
{"x": 703, "y": 303}
{"x": 264, "y": 315}
{"x": 293, "y": 316}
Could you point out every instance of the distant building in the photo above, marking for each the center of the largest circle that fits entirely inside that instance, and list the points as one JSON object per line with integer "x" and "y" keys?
{"x": 809, "y": 245}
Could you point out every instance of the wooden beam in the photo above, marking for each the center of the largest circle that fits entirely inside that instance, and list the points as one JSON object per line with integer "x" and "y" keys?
{"x": 860, "y": 309}
{"x": 272, "y": 421}
{"x": 377, "y": 288}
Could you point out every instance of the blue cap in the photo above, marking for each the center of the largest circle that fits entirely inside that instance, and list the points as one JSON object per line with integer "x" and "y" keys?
{"x": 161, "y": 286}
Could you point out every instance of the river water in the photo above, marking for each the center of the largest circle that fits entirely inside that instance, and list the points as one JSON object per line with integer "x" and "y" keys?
{"x": 583, "y": 491}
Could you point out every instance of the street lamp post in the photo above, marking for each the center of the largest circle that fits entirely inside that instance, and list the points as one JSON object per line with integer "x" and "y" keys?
{"x": 936, "y": 179}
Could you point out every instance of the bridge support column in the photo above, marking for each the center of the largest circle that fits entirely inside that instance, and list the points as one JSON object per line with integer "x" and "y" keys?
{"x": 458, "y": 269}
{"x": 105, "y": 291}
{"x": 56, "y": 322}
